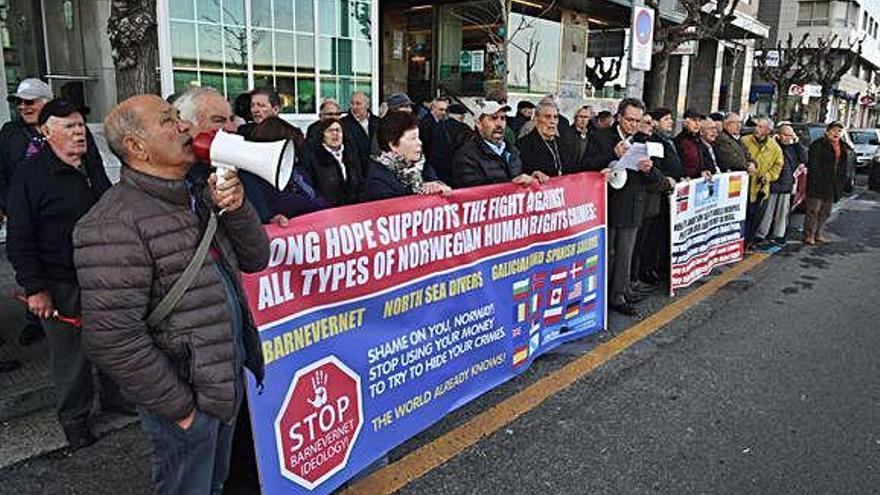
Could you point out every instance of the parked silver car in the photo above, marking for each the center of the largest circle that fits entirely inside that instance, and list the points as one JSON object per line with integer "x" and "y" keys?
{"x": 867, "y": 145}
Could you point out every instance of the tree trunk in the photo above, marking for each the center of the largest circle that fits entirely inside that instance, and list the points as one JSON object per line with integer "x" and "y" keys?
{"x": 133, "y": 37}
{"x": 781, "y": 104}
{"x": 655, "y": 80}
{"x": 823, "y": 105}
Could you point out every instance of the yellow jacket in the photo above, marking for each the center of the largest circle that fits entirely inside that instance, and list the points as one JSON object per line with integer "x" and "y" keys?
{"x": 768, "y": 164}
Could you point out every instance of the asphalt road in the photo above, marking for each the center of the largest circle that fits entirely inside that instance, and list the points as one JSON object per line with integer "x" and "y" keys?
{"x": 770, "y": 386}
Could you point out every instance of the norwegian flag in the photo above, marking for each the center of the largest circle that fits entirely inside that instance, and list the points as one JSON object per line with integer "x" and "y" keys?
{"x": 576, "y": 269}
{"x": 538, "y": 281}
{"x": 682, "y": 197}
{"x": 559, "y": 276}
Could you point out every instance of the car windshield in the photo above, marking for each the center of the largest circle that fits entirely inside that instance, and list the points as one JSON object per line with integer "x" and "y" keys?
{"x": 863, "y": 137}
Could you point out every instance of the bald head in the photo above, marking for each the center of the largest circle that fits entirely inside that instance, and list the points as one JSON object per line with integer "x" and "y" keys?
{"x": 147, "y": 133}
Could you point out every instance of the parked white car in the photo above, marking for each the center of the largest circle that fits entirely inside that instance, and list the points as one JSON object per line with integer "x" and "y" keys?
{"x": 867, "y": 145}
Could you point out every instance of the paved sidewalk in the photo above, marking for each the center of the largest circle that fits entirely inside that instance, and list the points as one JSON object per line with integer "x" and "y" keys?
{"x": 28, "y": 388}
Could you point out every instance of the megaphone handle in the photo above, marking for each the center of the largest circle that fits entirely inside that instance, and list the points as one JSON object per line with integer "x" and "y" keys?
{"x": 221, "y": 171}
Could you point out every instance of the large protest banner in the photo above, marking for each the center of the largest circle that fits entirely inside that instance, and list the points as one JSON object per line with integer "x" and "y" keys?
{"x": 708, "y": 225}
{"x": 377, "y": 320}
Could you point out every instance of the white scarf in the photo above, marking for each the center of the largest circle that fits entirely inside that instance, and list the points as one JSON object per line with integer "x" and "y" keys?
{"x": 338, "y": 155}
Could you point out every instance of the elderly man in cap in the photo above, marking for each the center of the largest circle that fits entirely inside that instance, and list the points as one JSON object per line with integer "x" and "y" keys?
{"x": 21, "y": 140}
{"x": 486, "y": 158}
{"x": 399, "y": 102}
{"x": 826, "y": 166}
{"x": 46, "y": 199}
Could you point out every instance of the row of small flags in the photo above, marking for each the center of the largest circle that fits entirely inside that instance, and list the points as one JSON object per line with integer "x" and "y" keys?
{"x": 548, "y": 298}
{"x": 563, "y": 301}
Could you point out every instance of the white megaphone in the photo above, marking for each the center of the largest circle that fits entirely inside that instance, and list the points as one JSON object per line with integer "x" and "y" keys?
{"x": 272, "y": 162}
{"x": 617, "y": 178}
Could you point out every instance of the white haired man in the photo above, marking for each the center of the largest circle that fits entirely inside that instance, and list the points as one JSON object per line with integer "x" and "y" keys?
{"x": 47, "y": 197}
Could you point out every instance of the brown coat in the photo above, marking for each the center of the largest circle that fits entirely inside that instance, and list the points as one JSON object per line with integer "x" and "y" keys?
{"x": 129, "y": 250}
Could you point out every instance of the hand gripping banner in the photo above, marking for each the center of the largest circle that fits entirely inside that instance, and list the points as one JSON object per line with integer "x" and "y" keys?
{"x": 378, "y": 319}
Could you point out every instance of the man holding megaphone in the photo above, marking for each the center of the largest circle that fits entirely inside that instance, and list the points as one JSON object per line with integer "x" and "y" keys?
{"x": 156, "y": 244}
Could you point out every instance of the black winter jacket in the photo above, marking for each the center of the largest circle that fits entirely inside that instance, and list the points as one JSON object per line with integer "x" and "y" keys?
{"x": 554, "y": 157}
{"x": 322, "y": 171}
{"x": 475, "y": 164}
{"x": 15, "y": 136}
{"x": 794, "y": 154}
{"x": 626, "y": 206}
{"x": 46, "y": 199}
{"x": 825, "y": 177}
{"x": 361, "y": 139}
{"x": 382, "y": 183}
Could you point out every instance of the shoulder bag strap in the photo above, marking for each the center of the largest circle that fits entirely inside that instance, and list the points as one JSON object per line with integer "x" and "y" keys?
{"x": 169, "y": 302}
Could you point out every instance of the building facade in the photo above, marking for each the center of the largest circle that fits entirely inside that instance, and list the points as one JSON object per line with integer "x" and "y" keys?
{"x": 311, "y": 50}
{"x": 854, "y": 100}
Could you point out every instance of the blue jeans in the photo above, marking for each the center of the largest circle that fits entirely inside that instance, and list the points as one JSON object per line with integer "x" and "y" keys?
{"x": 189, "y": 462}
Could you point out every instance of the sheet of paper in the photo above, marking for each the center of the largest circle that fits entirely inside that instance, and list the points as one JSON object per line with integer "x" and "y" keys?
{"x": 630, "y": 159}
{"x": 655, "y": 150}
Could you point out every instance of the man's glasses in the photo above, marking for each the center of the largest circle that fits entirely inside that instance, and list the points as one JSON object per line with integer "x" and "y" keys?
{"x": 27, "y": 103}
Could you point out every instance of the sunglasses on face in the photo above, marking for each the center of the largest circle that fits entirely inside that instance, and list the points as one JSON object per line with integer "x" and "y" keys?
{"x": 27, "y": 103}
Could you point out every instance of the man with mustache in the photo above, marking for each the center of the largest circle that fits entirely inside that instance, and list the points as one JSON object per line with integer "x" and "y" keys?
{"x": 184, "y": 370}
{"x": 486, "y": 158}
{"x": 46, "y": 199}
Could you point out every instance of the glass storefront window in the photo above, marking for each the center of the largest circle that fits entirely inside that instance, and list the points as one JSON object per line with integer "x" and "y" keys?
{"x": 212, "y": 46}
{"x": 533, "y": 54}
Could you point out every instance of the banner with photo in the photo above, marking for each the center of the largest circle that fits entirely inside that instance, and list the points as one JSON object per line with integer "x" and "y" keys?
{"x": 377, "y": 320}
{"x": 708, "y": 226}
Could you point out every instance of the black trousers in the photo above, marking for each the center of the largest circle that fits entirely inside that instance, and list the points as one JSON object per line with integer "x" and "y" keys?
{"x": 621, "y": 243}
{"x": 71, "y": 371}
{"x": 754, "y": 214}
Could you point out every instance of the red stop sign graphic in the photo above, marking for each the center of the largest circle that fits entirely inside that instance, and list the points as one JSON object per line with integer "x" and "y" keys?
{"x": 319, "y": 422}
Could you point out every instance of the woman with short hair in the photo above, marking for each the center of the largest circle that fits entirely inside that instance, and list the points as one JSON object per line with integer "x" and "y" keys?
{"x": 399, "y": 169}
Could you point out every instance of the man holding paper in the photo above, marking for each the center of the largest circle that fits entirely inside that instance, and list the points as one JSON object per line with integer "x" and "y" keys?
{"x": 605, "y": 151}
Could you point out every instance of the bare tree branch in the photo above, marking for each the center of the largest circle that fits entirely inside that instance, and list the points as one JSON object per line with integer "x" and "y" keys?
{"x": 598, "y": 75}
{"x": 697, "y": 24}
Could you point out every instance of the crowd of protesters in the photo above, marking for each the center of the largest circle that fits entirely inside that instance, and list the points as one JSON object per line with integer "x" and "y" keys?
{"x": 97, "y": 263}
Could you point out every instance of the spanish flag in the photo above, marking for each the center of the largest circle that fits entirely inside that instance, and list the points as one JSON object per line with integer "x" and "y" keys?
{"x": 734, "y": 187}
{"x": 520, "y": 356}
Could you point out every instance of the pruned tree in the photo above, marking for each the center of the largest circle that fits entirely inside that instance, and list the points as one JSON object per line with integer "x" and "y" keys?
{"x": 598, "y": 75}
{"x": 833, "y": 59}
{"x": 696, "y": 26}
{"x": 134, "y": 42}
{"x": 795, "y": 66}
{"x": 492, "y": 17}
{"x": 529, "y": 50}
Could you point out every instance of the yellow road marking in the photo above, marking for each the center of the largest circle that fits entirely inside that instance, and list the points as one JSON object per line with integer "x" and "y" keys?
{"x": 419, "y": 462}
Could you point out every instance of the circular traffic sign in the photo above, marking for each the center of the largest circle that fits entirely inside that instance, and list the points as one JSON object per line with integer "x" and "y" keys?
{"x": 643, "y": 27}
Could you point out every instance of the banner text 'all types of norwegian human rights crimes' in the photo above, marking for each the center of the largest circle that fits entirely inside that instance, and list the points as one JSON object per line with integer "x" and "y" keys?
{"x": 378, "y": 319}
{"x": 708, "y": 225}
